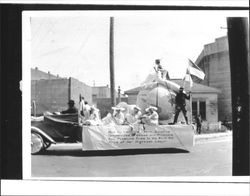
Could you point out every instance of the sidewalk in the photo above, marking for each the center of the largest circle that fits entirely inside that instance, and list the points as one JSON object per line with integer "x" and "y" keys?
{"x": 213, "y": 135}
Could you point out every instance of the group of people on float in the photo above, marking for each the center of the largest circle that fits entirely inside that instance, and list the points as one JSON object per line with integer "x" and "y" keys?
{"x": 89, "y": 115}
{"x": 120, "y": 117}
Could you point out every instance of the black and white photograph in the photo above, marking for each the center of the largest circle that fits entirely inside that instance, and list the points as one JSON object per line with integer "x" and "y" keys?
{"x": 130, "y": 94}
{"x": 136, "y": 97}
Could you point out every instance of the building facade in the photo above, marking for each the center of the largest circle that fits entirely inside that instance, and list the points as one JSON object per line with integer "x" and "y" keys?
{"x": 214, "y": 61}
{"x": 53, "y": 94}
{"x": 100, "y": 92}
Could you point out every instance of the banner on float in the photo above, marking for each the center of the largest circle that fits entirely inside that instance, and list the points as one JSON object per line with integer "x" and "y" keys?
{"x": 113, "y": 137}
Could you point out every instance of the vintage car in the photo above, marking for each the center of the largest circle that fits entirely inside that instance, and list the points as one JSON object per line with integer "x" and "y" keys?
{"x": 51, "y": 129}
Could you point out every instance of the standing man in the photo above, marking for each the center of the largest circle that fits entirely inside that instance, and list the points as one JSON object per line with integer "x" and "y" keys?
{"x": 81, "y": 105}
{"x": 198, "y": 123}
{"x": 180, "y": 104}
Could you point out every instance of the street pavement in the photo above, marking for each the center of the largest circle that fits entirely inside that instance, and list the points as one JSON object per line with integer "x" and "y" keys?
{"x": 211, "y": 156}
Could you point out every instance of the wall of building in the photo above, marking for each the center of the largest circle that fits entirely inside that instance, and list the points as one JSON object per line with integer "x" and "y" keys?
{"x": 214, "y": 60}
{"x": 53, "y": 95}
{"x": 50, "y": 95}
{"x": 220, "y": 77}
{"x": 101, "y": 91}
{"x": 77, "y": 88}
{"x": 132, "y": 98}
{"x": 211, "y": 105}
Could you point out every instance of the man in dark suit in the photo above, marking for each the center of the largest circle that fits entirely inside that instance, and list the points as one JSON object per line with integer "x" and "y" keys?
{"x": 180, "y": 104}
{"x": 71, "y": 109}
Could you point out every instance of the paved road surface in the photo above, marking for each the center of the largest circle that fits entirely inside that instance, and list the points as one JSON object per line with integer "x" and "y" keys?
{"x": 208, "y": 158}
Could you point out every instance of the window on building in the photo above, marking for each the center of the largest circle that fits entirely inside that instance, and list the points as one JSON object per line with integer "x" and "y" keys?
{"x": 203, "y": 109}
{"x": 194, "y": 108}
{"x": 199, "y": 107}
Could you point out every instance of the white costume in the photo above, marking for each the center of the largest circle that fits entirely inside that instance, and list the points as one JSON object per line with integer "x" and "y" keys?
{"x": 117, "y": 117}
{"x": 94, "y": 117}
{"x": 134, "y": 117}
{"x": 161, "y": 71}
{"x": 84, "y": 112}
{"x": 151, "y": 118}
{"x": 81, "y": 106}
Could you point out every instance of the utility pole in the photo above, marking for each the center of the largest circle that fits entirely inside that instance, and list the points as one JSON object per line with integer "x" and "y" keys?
{"x": 238, "y": 40}
{"x": 111, "y": 63}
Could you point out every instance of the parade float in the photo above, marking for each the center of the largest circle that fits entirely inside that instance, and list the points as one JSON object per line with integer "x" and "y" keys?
{"x": 157, "y": 92}
{"x": 53, "y": 128}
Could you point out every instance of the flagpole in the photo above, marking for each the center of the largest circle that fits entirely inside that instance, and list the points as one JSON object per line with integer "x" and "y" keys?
{"x": 193, "y": 69}
{"x": 191, "y": 111}
{"x": 184, "y": 82}
{"x": 190, "y": 99}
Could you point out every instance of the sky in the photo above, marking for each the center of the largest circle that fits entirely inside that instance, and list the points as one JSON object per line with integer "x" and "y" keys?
{"x": 76, "y": 44}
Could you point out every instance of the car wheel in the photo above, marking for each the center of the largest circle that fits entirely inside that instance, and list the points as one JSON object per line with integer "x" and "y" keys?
{"x": 37, "y": 143}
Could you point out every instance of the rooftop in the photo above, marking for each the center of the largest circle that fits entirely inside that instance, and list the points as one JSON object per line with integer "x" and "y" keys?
{"x": 219, "y": 45}
{"x": 37, "y": 74}
{"x": 197, "y": 88}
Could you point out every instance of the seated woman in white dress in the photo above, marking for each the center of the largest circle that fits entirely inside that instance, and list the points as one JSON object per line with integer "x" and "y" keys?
{"x": 94, "y": 117}
{"x": 134, "y": 116}
{"x": 133, "y": 119}
{"x": 116, "y": 118}
{"x": 151, "y": 117}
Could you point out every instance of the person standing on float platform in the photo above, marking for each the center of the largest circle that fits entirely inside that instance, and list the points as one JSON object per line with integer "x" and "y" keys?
{"x": 180, "y": 101}
{"x": 159, "y": 69}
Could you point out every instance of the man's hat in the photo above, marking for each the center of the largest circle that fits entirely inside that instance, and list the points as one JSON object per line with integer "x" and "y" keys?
{"x": 151, "y": 108}
{"x": 118, "y": 108}
{"x": 71, "y": 102}
{"x": 181, "y": 88}
{"x": 157, "y": 60}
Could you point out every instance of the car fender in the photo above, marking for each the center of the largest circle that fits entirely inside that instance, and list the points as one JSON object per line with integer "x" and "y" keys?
{"x": 41, "y": 132}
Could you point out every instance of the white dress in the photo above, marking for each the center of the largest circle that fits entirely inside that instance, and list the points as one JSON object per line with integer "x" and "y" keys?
{"x": 133, "y": 118}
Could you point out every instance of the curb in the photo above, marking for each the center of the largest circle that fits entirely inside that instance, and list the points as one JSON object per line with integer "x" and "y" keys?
{"x": 212, "y": 136}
